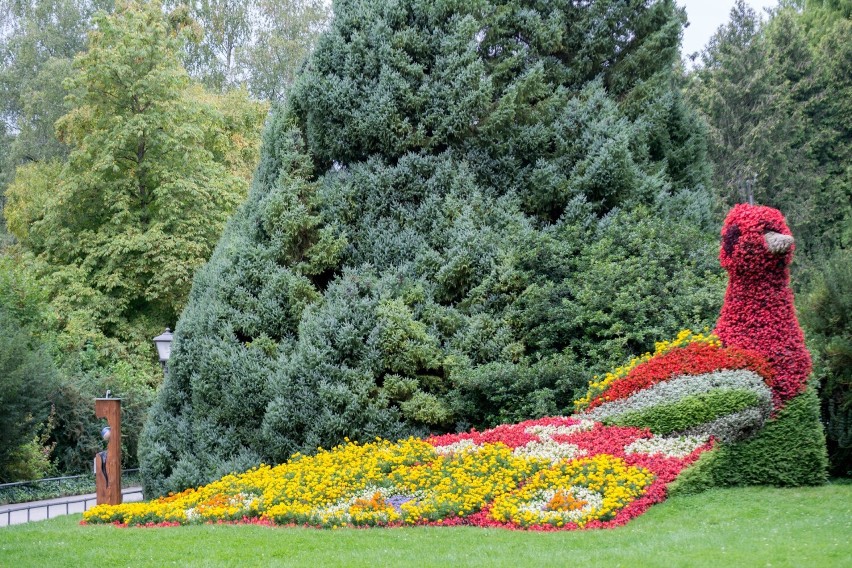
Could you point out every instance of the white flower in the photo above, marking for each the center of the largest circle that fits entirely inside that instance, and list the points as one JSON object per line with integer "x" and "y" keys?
{"x": 683, "y": 386}
{"x": 462, "y": 446}
{"x": 674, "y": 447}
{"x": 545, "y": 433}
{"x": 538, "y": 504}
{"x": 549, "y": 450}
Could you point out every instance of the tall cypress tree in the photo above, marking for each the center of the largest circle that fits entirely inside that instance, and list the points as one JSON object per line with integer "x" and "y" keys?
{"x": 414, "y": 253}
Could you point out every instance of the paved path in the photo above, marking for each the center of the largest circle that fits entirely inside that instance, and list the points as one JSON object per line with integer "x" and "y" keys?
{"x": 50, "y": 508}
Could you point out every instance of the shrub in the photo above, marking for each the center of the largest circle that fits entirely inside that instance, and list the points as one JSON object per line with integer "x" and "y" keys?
{"x": 27, "y": 380}
{"x": 827, "y": 316}
{"x": 788, "y": 451}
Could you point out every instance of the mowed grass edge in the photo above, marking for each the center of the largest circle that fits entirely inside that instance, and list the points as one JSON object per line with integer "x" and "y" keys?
{"x": 755, "y": 526}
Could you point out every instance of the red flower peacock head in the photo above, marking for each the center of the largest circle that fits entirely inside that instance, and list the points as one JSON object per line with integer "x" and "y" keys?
{"x": 755, "y": 238}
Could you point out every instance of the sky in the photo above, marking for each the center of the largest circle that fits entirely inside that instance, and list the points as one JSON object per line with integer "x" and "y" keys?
{"x": 705, "y": 17}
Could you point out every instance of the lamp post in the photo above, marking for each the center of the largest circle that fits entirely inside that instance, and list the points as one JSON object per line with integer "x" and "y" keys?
{"x": 164, "y": 347}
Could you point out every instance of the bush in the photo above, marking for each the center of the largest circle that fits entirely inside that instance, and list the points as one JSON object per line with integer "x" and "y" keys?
{"x": 827, "y": 317}
{"x": 27, "y": 380}
{"x": 689, "y": 411}
{"x": 789, "y": 451}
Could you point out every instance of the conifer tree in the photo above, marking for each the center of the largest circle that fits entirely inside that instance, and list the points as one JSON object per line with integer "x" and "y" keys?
{"x": 414, "y": 252}
{"x": 776, "y": 96}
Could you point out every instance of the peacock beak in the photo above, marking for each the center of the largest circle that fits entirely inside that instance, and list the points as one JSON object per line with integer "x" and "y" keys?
{"x": 778, "y": 243}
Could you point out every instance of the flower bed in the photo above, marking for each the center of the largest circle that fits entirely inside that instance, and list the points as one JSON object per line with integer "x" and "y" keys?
{"x": 547, "y": 474}
{"x": 692, "y": 359}
{"x": 597, "y": 387}
{"x": 639, "y": 428}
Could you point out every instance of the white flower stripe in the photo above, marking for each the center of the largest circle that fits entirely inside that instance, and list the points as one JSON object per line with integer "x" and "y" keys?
{"x": 681, "y": 387}
{"x": 545, "y": 433}
{"x": 671, "y": 447}
{"x": 550, "y": 450}
{"x": 462, "y": 446}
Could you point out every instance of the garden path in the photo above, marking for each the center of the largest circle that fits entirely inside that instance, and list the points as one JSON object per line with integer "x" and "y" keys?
{"x": 18, "y": 513}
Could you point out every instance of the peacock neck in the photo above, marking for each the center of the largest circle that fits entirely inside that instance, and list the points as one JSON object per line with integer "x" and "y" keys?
{"x": 753, "y": 287}
{"x": 756, "y": 309}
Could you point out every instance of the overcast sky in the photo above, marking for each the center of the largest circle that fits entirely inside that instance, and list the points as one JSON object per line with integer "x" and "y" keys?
{"x": 705, "y": 17}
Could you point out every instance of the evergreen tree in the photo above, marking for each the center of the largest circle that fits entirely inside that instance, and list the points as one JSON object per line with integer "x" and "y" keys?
{"x": 828, "y": 317}
{"x": 775, "y": 96}
{"x": 437, "y": 202}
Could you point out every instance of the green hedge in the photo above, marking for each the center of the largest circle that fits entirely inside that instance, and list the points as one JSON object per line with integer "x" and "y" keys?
{"x": 688, "y": 411}
{"x": 789, "y": 451}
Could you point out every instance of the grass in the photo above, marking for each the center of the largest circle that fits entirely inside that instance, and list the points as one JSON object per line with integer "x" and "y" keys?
{"x": 756, "y": 526}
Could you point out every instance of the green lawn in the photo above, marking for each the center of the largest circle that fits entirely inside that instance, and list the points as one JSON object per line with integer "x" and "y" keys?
{"x": 726, "y": 527}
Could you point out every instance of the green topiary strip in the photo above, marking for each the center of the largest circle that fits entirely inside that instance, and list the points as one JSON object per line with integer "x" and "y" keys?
{"x": 689, "y": 411}
{"x": 789, "y": 451}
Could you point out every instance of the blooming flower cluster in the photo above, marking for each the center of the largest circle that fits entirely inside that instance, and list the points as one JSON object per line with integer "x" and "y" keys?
{"x": 696, "y": 358}
{"x": 674, "y": 447}
{"x": 692, "y": 386}
{"x": 577, "y": 492}
{"x": 680, "y": 387}
{"x": 547, "y": 474}
{"x": 685, "y": 337}
{"x": 675, "y": 401}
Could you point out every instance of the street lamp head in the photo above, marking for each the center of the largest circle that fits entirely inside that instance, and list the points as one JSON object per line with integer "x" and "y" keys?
{"x": 164, "y": 345}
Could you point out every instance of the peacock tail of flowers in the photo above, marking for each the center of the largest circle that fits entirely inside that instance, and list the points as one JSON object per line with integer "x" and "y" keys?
{"x": 599, "y": 386}
{"x": 546, "y": 474}
{"x": 635, "y": 430}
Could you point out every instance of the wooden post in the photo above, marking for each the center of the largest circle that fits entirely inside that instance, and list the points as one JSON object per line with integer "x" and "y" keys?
{"x": 109, "y": 487}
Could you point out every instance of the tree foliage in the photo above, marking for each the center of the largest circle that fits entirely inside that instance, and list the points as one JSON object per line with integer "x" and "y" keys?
{"x": 38, "y": 42}
{"x": 462, "y": 210}
{"x": 27, "y": 381}
{"x": 776, "y": 95}
{"x": 114, "y": 231}
{"x": 827, "y": 315}
{"x": 149, "y": 180}
{"x": 229, "y": 46}
{"x": 256, "y": 44}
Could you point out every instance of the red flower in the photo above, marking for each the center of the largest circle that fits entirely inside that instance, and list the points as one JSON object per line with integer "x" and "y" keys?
{"x": 692, "y": 359}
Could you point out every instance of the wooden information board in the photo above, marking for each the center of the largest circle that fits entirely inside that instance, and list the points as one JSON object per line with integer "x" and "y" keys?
{"x": 109, "y": 487}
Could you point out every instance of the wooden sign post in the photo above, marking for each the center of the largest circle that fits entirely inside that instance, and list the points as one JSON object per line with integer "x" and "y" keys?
{"x": 109, "y": 486}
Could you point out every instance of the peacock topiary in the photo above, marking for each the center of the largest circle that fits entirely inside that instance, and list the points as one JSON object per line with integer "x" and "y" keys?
{"x": 704, "y": 409}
